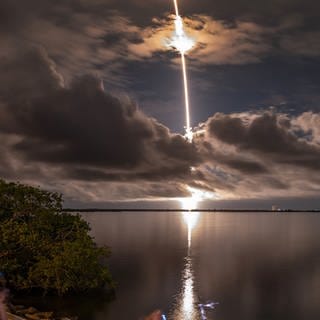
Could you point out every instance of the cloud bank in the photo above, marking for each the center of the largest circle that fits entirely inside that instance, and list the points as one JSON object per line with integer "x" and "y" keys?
{"x": 97, "y": 147}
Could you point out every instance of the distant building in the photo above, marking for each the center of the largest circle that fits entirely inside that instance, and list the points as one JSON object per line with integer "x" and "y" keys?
{"x": 275, "y": 208}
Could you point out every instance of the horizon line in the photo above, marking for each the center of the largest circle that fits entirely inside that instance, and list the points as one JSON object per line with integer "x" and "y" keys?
{"x": 184, "y": 210}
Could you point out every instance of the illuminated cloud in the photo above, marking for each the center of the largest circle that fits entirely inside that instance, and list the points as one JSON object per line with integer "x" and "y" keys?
{"x": 262, "y": 154}
{"x": 218, "y": 42}
{"x": 89, "y": 37}
{"x": 309, "y": 123}
{"x": 96, "y": 147}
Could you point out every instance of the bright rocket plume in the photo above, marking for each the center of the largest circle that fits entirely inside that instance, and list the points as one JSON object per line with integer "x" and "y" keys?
{"x": 182, "y": 43}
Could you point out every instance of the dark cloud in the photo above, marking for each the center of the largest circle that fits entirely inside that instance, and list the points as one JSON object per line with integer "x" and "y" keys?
{"x": 264, "y": 153}
{"x": 81, "y": 125}
{"x": 270, "y": 135}
{"x": 77, "y": 35}
{"x": 266, "y": 11}
{"x": 28, "y": 75}
{"x": 246, "y": 166}
{"x": 302, "y": 43}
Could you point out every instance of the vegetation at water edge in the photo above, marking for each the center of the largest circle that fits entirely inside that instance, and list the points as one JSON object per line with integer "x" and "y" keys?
{"x": 43, "y": 248}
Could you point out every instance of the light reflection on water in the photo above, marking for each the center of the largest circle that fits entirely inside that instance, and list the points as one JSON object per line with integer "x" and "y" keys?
{"x": 191, "y": 220}
{"x": 186, "y": 306}
{"x": 256, "y": 265}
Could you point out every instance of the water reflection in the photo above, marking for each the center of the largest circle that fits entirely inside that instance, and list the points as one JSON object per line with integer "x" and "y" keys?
{"x": 187, "y": 302}
{"x": 257, "y": 265}
{"x": 191, "y": 220}
{"x": 188, "y": 297}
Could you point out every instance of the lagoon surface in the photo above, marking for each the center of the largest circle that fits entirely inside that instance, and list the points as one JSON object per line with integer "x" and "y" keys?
{"x": 249, "y": 265}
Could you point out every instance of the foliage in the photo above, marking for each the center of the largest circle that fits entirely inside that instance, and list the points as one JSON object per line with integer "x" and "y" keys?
{"x": 44, "y": 248}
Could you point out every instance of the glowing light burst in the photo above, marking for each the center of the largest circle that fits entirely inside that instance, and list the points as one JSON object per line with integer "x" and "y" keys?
{"x": 191, "y": 203}
{"x": 197, "y": 195}
{"x": 182, "y": 43}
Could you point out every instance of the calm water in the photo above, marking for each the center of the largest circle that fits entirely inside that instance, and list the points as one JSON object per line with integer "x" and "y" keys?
{"x": 255, "y": 265}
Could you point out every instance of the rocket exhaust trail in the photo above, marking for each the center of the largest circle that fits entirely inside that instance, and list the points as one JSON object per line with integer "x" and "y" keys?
{"x": 188, "y": 128}
{"x": 176, "y": 8}
{"x": 182, "y": 44}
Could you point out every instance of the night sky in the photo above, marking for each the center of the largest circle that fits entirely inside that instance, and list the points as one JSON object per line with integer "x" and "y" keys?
{"x": 91, "y": 101}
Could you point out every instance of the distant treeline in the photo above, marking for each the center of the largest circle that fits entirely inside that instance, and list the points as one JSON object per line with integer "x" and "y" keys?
{"x": 186, "y": 210}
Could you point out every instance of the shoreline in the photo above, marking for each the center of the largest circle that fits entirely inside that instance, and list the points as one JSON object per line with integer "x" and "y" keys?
{"x": 190, "y": 210}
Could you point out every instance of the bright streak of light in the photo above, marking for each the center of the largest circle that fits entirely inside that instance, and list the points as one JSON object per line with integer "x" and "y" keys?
{"x": 189, "y": 134}
{"x": 191, "y": 219}
{"x": 176, "y": 8}
{"x": 182, "y": 43}
{"x": 188, "y": 292}
{"x": 191, "y": 203}
{"x": 186, "y": 308}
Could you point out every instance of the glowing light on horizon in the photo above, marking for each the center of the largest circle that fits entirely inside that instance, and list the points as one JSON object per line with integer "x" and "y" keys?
{"x": 197, "y": 195}
{"x": 191, "y": 203}
{"x": 182, "y": 43}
